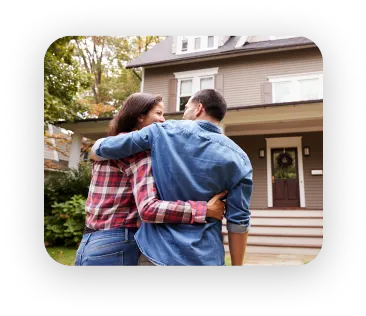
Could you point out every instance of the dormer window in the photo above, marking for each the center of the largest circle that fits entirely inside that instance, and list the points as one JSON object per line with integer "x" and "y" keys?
{"x": 190, "y": 44}
{"x": 184, "y": 44}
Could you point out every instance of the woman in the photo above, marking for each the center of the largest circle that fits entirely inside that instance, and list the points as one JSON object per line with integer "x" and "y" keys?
{"x": 123, "y": 191}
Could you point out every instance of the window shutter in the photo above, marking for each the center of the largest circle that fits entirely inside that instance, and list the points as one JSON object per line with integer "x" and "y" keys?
{"x": 174, "y": 45}
{"x": 219, "y": 83}
{"x": 172, "y": 102}
{"x": 267, "y": 93}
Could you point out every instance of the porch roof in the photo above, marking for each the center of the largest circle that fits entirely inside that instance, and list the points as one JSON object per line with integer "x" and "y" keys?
{"x": 243, "y": 120}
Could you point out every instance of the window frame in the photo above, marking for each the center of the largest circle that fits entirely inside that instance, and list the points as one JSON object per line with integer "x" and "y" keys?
{"x": 191, "y": 44}
{"x": 295, "y": 87}
{"x": 195, "y": 76}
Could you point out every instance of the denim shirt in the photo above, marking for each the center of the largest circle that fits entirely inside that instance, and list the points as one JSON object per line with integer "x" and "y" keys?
{"x": 191, "y": 160}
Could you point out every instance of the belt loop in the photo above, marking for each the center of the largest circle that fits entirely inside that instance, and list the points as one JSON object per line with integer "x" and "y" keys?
{"x": 126, "y": 233}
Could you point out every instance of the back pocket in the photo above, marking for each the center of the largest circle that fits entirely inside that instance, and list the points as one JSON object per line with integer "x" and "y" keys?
{"x": 112, "y": 259}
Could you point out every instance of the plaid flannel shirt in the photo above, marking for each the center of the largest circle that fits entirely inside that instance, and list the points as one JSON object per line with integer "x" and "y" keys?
{"x": 123, "y": 191}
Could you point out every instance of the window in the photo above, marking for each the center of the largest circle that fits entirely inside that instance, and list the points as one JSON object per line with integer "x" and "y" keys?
{"x": 190, "y": 44}
{"x": 210, "y": 41}
{"x": 184, "y": 44}
{"x": 300, "y": 87}
{"x": 197, "y": 43}
{"x": 185, "y": 92}
{"x": 189, "y": 82}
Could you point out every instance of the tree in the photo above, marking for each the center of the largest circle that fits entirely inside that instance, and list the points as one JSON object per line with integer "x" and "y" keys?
{"x": 63, "y": 79}
{"x": 104, "y": 59}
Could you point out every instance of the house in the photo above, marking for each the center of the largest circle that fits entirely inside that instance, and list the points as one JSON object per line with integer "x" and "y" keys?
{"x": 273, "y": 86}
{"x": 57, "y": 148}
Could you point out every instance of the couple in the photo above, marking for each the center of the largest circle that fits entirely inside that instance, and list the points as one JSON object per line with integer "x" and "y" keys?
{"x": 189, "y": 160}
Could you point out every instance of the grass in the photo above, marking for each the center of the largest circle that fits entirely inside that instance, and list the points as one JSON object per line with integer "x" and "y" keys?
{"x": 227, "y": 260}
{"x": 66, "y": 256}
{"x": 63, "y": 255}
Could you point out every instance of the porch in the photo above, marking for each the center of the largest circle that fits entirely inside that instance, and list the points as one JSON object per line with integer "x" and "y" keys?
{"x": 280, "y": 234}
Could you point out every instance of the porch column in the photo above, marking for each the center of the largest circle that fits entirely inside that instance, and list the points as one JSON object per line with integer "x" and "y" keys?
{"x": 222, "y": 128}
{"x": 75, "y": 150}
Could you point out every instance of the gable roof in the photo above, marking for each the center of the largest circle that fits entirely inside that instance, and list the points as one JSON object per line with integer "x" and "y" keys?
{"x": 162, "y": 53}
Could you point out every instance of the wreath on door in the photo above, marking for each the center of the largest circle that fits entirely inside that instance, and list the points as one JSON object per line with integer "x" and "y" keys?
{"x": 284, "y": 160}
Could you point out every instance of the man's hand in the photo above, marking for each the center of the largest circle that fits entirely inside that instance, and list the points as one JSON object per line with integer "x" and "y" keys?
{"x": 215, "y": 207}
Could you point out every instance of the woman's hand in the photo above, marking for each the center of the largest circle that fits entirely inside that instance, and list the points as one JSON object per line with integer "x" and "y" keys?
{"x": 215, "y": 207}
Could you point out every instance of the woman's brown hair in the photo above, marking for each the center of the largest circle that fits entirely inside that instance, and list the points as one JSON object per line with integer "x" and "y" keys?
{"x": 135, "y": 105}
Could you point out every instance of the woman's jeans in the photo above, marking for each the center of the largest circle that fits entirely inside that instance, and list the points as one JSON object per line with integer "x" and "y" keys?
{"x": 113, "y": 247}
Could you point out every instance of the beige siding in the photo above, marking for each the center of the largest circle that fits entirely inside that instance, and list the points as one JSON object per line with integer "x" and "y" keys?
{"x": 158, "y": 83}
{"x": 313, "y": 184}
{"x": 251, "y": 145}
{"x": 243, "y": 76}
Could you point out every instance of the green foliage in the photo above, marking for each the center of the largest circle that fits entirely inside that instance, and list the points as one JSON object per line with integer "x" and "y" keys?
{"x": 66, "y": 222}
{"x": 63, "y": 79}
{"x": 65, "y": 194}
{"x": 61, "y": 186}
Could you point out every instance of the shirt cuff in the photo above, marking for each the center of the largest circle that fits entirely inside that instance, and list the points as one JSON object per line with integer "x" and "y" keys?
{"x": 95, "y": 149}
{"x": 235, "y": 228}
{"x": 199, "y": 211}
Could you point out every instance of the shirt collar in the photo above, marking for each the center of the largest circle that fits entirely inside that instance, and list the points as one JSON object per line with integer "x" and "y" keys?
{"x": 208, "y": 126}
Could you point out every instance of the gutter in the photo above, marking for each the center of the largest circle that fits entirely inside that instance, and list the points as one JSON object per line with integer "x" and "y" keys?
{"x": 237, "y": 108}
{"x": 223, "y": 54}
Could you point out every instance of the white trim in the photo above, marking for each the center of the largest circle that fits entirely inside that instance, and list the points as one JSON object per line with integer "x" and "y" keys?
{"x": 274, "y": 131}
{"x": 281, "y": 142}
{"x": 294, "y": 80}
{"x": 299, "y": 76}
{"x": 274, "y": 37}
{"x": 242, "y": 40}
{"x": 195, "y": 76}
{"x": 191, "y": 41}
{"x": 196, "y": 73}
{"x": 142, "y": 79}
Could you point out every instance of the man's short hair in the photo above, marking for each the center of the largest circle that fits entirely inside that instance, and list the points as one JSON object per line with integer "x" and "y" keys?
{"x": 212, "y": 101}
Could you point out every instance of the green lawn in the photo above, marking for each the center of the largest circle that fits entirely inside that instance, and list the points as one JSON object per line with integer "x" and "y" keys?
{"x": 66, "y": 255}
{"x": 227, "y": 260}
{"x": 62, "y": 255}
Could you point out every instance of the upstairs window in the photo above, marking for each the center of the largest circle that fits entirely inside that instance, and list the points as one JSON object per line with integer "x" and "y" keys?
{"x": 189, "y": 82}
{"x": 190, "y": 44}
{"x": 300, "y": 87}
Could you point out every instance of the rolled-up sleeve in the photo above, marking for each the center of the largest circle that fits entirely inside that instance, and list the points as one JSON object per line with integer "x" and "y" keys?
{"x": 237, "y": 205}
{"x": 125, "y": 145}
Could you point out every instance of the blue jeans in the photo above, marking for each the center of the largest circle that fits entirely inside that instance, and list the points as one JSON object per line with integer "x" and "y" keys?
{"x": 113, "y": 247}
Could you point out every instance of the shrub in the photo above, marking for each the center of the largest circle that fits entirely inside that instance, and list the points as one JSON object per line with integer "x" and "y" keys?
{"x": 62, "y": 186}
{"x": 65, "y": 224}
{"x": 65, "y": 194}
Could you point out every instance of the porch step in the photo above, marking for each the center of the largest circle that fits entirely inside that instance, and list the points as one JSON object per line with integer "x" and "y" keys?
{"x": 286, "y": 231}
{"x": 287, "y": 213}
{"x": 275, "y": 241}
{"x": 285, "y": 222}
{"x": 278, "y": 250}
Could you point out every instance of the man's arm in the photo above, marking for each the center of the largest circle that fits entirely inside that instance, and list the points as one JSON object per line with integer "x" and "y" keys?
{"x": 124, "y": 145}
{"x": 153, "y": 210}
{"x": 238, "y": 218}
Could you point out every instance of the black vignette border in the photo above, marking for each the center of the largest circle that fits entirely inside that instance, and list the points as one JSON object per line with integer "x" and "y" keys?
{"x": 176, "y": 288}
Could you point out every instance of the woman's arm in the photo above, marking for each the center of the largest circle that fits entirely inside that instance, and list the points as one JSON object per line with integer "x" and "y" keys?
{"x": 153, "y": 210}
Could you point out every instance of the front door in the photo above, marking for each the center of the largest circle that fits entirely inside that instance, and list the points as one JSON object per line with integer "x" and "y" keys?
{"x": 285, "y": 178}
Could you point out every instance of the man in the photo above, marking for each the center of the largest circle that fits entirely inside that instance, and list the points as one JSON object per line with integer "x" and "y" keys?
{"x": 192, "y": 160}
